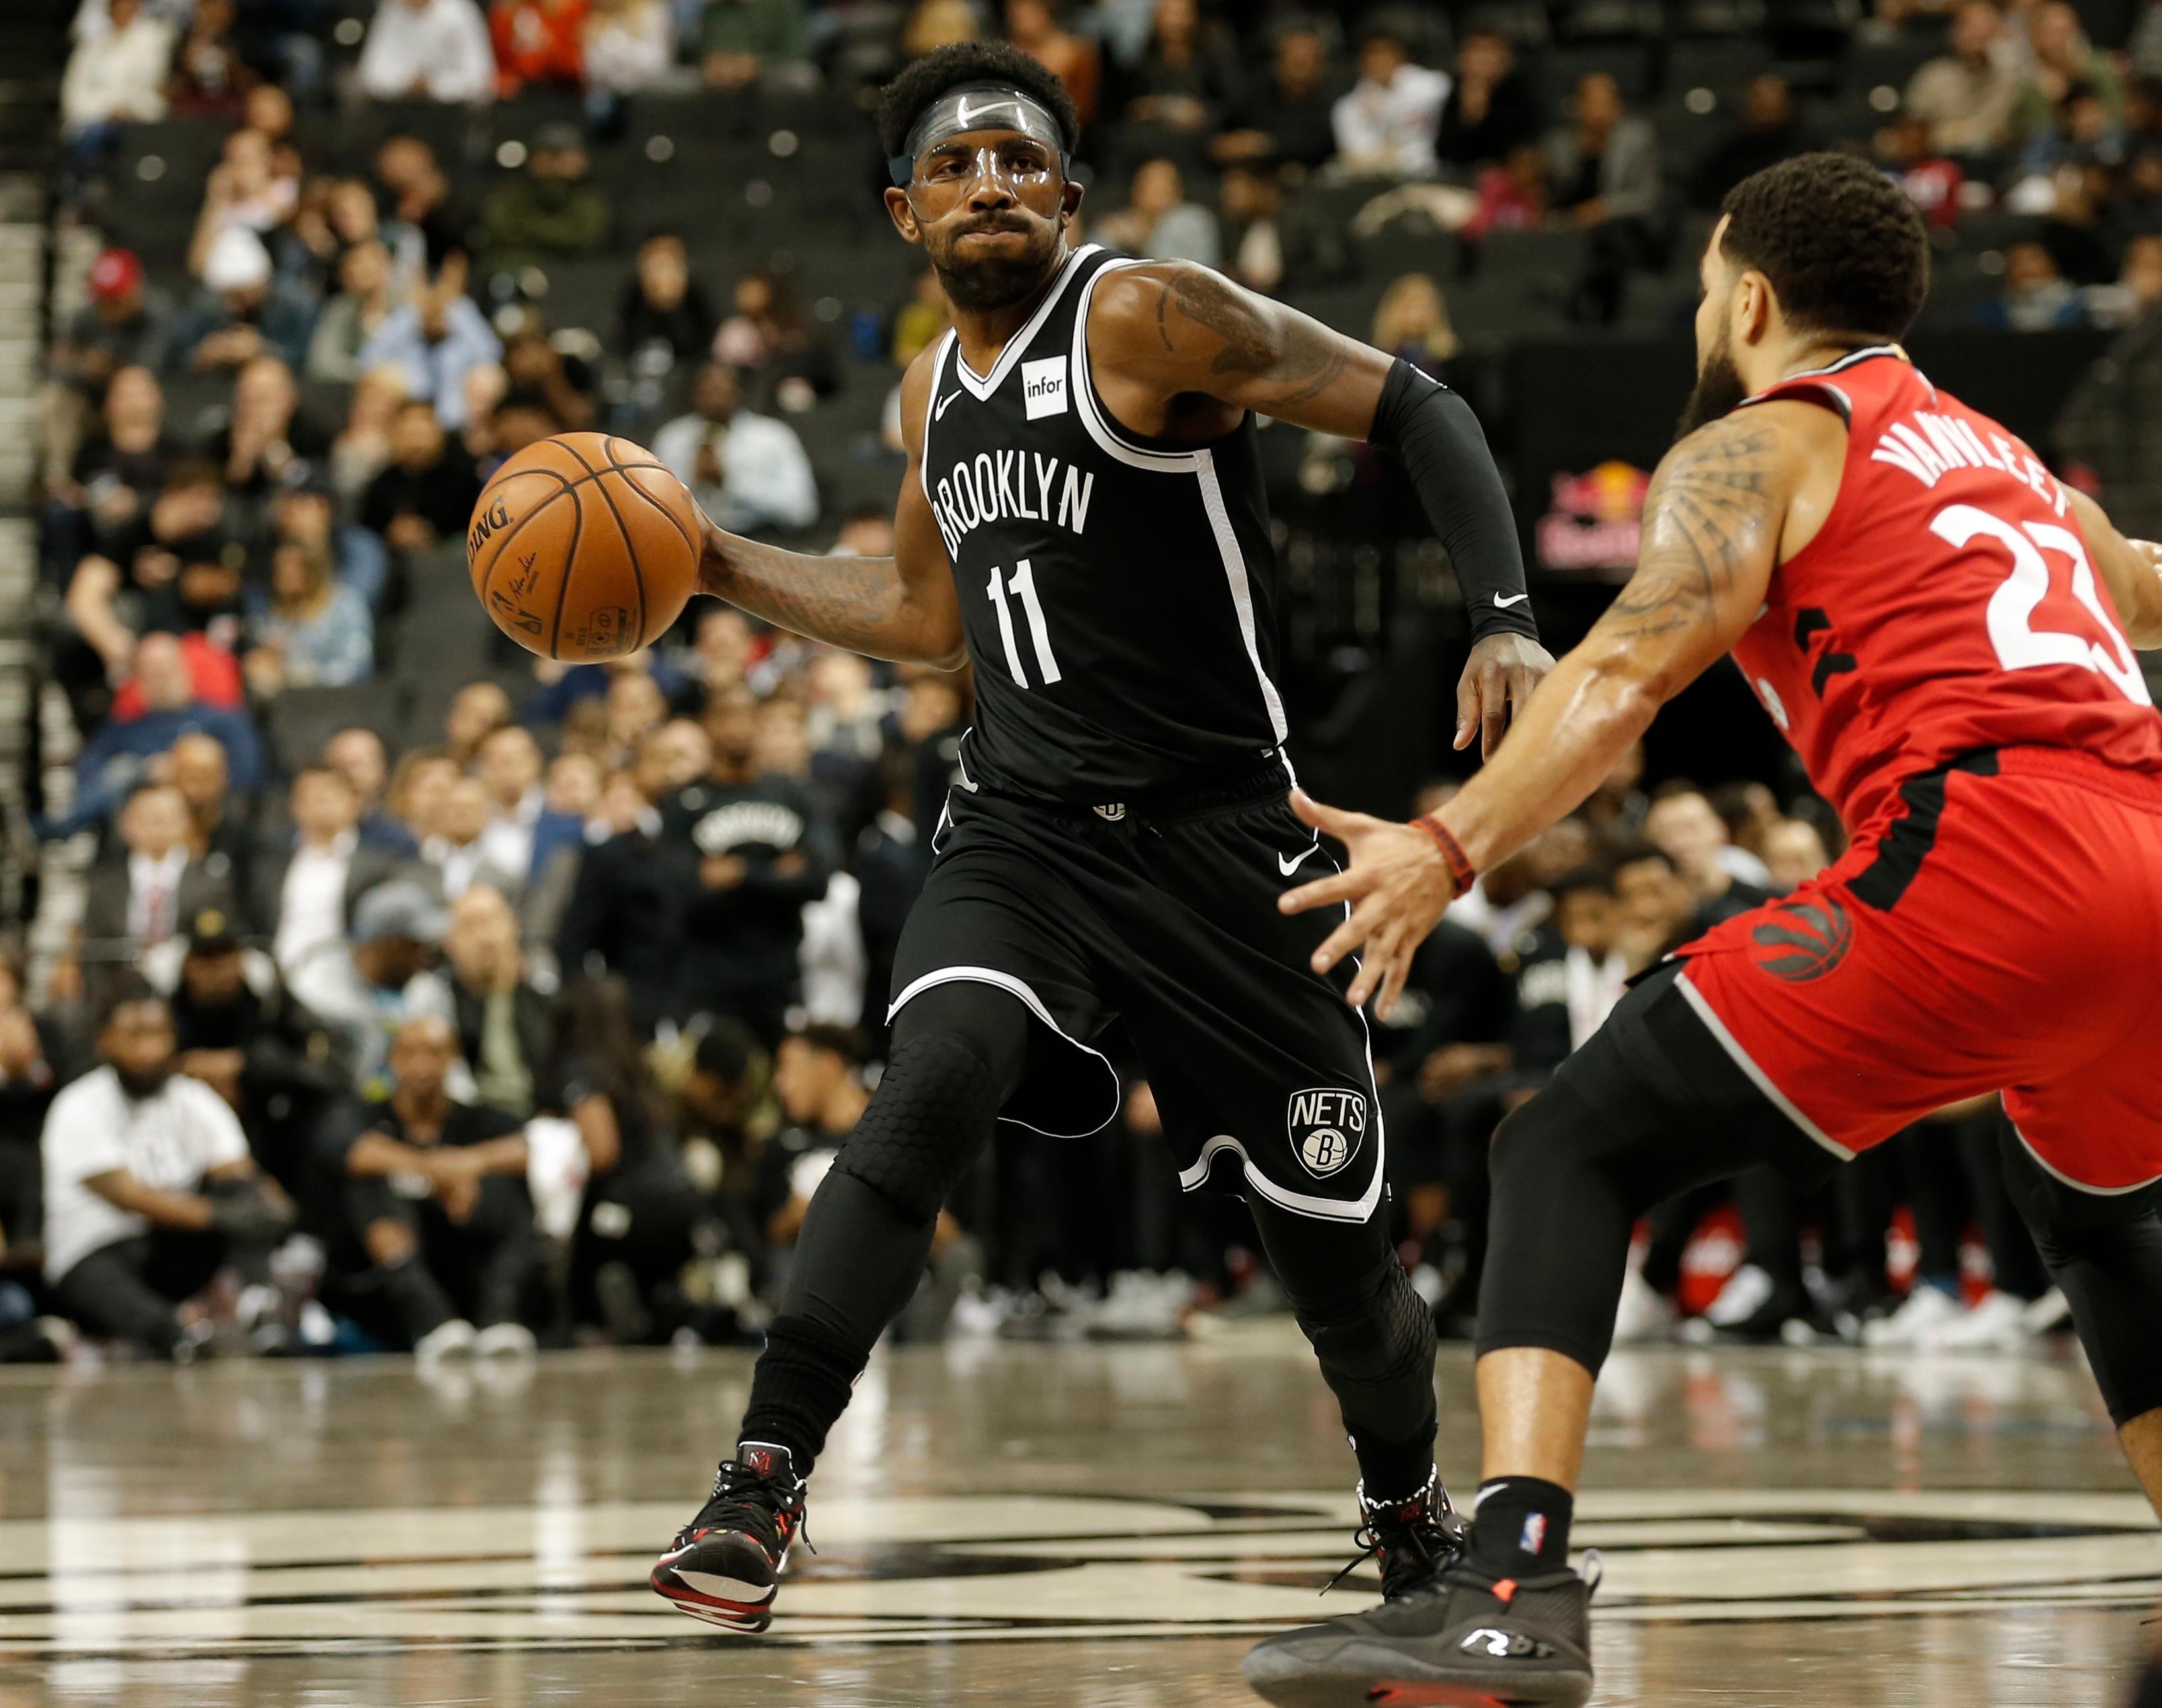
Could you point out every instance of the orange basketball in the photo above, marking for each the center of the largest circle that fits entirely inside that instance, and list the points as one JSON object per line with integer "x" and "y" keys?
{"x": 583, "y": 547}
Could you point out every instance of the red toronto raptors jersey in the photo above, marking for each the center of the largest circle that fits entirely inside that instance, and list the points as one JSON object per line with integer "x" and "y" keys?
{"x": 1947, "y": 604}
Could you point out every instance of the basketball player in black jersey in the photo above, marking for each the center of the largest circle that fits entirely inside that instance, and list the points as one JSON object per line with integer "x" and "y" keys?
{"x": 1082, "y": 520}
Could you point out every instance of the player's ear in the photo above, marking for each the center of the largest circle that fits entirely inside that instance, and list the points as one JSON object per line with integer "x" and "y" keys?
{"x": 1070, "y": 200}
{"x": 1753, "y": 304}
{"x": 904, "y": 215}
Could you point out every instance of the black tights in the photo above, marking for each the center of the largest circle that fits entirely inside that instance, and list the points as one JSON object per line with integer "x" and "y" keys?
{"x": 958, "y": 1051}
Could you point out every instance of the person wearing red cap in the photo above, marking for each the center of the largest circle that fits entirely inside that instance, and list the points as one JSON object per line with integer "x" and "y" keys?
{"x": 125, "y": 323}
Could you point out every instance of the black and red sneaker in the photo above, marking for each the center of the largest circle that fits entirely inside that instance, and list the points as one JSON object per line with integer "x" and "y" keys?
{"x": 1416, "y": 1539}
{"x": 724, "y": 1566}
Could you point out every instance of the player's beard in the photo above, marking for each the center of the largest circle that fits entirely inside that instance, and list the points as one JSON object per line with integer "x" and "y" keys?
{"x": 1718, "y": 390}
{"x": 982, "y": 284}
{"x": 141, "y": 1085}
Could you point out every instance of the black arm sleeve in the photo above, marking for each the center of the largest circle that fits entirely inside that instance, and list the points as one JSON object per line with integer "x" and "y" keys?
{"x": 1444, "y": 452}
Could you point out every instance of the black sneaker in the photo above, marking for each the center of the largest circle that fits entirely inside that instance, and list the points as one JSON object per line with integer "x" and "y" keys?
{"x": 724, "y": 1566}
{"x": 1416, "y": 1540}
{"x": 1466, "y": 1639}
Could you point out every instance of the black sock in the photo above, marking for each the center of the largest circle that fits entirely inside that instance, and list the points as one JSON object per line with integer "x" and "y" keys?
{"x": 799, "y": 1388}
{"x": 1520, "y": 1526}
{"x": 1391, "y": 1472}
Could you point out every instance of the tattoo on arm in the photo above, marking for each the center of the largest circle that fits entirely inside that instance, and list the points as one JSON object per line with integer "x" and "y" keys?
{"x": 1710, "y": 511}
{"x": 1300, "y": 355}
{"x": 849, "y": 602}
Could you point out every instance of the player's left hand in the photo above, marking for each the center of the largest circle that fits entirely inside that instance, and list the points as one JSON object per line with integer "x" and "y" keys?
{"x": 1397, "y": 884}
{"x": 1498, "y": 678}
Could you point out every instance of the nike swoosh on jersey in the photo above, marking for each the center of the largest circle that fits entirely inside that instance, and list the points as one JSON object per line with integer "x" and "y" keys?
{"x": 1288, "y": 865}
{"x": 939, "y": 414}
{"x": 1502, "y": 605}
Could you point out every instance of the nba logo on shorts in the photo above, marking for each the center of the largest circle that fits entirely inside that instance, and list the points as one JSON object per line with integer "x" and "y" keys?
{"x": 1326, "y": 1125}
{"x": 1043, "y": 387}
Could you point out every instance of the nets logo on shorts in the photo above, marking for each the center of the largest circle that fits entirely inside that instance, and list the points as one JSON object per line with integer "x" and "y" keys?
{"x": 1327, "y": 1125}
{"x": 1801, "y": 940}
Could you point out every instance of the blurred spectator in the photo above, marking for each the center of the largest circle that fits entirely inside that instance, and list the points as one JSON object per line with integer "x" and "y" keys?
{"x": 2060, "y": 60}
{"x": 268, "y": 440}
{"x": 924, "y": 319}
{"x": 553, "y": 211}
{"x": 418, "y": 198}
{"x": 250, "y": 188}
{"x": 742, "y": 42}
{"x": 477, "y": 710}
{"x": 1658, "y": 910}
{"x": 1033, "y": 27}
{"x": 665, "y": 312}
{"x": 361, "y": 448}
{"x": 304, "y": 894}
{"x": 428, "y": 50}
{"x": 2081, "y": 231}
{"x": 522, "y": 837}
{"x": 1289, "y": 118}
{"x": 2138, "y": 287}
{"x": 630, "y": 45}
{"x": 414, "y": 800}
{"x": 144, "y": 899}
{"x": 115, "y": 77}
{"x": 1931, "y": 180}
{"x": 1794, "y": 853}
{"x": 33, "y": 1066}
{"x": 934, "y": 23}
{"x": 504, "y": 1021}
{"x": 1492, "y": 108}
{"x": 357, "y": 755}
{"x": 437, "y": 1232}
{"x": 315, "y": 632}
{"x": 120, "y": 468}
{"x": 1966, "y": 97}
{"x": 427, "y": 493}
{"x": 244, "y": 309}
{"x": 1726, "y": 880}
{"x": 150, "y": 1190}
{"x": 2036, "y": 296}
{"x": 574, "y": 787}
{"x": 766, "y": 335}
{"x": 126, "y": 323}
{"x": 532, "y": 363}
{"x": 1387, "y": 124}
{"x": 219, "y": 831}
{"x": 367, "y": 297}
{"x": 455, "y": 855}
{"x": 432, "y": 341}
{"x": 372, "y": 981}
{"x": 1158, "y": 221}
{"x": 1270, "y": 247}
{"x": 626, "y": 909}
{"x": 1183, "y": 86}
{"x": 1516, "y": 196}
{"x": 305, "y": 514}
{"x": 1606, "y": 173}
{"x": 817, "y": 1074}
{"x": 540, "y": 42}
{"x": 210, "y": 74}
{"x": 1770, "y": 131}
{"x": 1411, "y": 322}
{"x": 749, "y": 471}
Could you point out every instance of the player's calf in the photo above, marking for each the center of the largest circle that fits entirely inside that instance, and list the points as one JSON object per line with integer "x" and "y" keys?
{"x": 724, "y": 1566}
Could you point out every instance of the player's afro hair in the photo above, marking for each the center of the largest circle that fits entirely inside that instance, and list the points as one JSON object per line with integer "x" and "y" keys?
{"x": 925, "y": 80}
{"x": 1845, "y": 250}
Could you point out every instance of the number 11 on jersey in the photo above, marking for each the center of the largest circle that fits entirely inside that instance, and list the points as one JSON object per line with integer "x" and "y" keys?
{"x": 1022, "y": 586}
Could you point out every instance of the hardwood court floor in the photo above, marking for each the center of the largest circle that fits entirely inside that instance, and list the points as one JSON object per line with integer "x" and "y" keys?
{"x": 1107, "y": 1526}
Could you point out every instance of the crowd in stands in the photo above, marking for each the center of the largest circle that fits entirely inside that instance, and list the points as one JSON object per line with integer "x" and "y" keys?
{"x": 543, "y": 1020}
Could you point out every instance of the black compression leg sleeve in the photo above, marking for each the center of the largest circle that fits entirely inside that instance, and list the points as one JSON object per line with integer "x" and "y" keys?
{"x": 2105, "y": 1252}
{"x": 1371, "y": 1333}
{"x": 958, "y": 1051}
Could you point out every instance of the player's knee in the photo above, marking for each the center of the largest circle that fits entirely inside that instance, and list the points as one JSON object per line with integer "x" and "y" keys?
{"x": 933, "y": 1114}
{"x": 1378, "y": 1331}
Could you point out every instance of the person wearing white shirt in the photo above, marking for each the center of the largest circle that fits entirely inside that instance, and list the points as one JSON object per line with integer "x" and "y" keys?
{"x": 509, "y": 767}
{"x": 1388, "y": 121}
{"x": 749, "y": 471}
{"x": 311, "y": 900}
{"x": 149, "y": 1188}
{"x": 117, "y": 73}
{"x": 428, "y": 50}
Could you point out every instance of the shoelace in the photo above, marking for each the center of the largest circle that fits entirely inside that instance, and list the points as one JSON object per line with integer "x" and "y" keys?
{"x": 763, "y": 1499}
{"x": 1429, "y": 1541}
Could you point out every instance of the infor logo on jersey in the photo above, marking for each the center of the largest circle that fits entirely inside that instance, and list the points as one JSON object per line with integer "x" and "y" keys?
{"x": 1326, "y": 1125}
{"x": 1043, "y": 387}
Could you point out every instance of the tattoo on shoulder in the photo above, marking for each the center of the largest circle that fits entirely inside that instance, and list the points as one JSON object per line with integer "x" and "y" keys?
{"x": 1300, "y": 355}
{"x": 1708, "y": 512}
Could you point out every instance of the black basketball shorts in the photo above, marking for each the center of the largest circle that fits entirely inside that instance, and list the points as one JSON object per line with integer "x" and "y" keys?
{"x": 1263, "y": 1073}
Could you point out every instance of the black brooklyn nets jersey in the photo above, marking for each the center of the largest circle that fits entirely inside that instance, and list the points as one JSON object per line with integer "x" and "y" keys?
{"x": 1119, "y": 592}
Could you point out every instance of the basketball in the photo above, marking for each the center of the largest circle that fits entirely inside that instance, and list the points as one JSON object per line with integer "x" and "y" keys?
{"x": 583, "y": 547}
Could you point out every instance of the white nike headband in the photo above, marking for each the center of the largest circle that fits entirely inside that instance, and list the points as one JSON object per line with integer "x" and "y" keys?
{"x": 982, "y": 106}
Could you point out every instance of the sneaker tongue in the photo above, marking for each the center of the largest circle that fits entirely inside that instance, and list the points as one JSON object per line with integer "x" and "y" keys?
{"x": 766, "y": 1461}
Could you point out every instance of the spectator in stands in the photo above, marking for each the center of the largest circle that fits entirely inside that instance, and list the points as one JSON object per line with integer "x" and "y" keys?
{"x": 1516, "y": 196}
{"x": 426, "y": 495}
{"x": 767, "y": 336}
{"x": 437, "y": 1232}
{"x": 1289, "y": 119}
{"x": 432, "y": 341}
{"x": 1967, "y": 97}
{"x": 629, "y": 45}
{"x": 533, "y": 362}
{"x": 35, "y": 1064}
{"x": 268, "y": 441}
{"x": 306, "y": 891}
{"x": 118, "y": 472}
{"x": 114, "y": 77}
{"x": 1771, "y": 130}
{"x": 455, "y": 856}
{"x": 522, "y": 837}
{"x": 574, "y": 787}
{"x": 922, "y": 321}
{"x": 818, "y": 1075}
{"x": 1491, "y": 107}
{"x": 476, "y": 711}
{"x": 361, "y": 448}
{"x": 1411, "y": 322}
{"x": 749, "y": 470}
{"x": 428, "y": 50}
{"x": 1658, "y": 908}
{"x": 244, "y": 309}
{"x": 1034, "y": 28}
{"x": 2061, "y": 59}
{"x": 367, "y": 297}
{"x": 150, "y": 1190}
{"x": 553, "y": 211}
{"x": 2037, "y": 297}
{"x": 665, "y": 319}
{"x": 114, "y": 758}
{"x": 1794, "y": 853}
{"x": 414, "y": 799}
{"x": 626, "y": 913}
{"x": 1725, "y": 879}
{"x": 143, "y": 899}
{"x": 1387, "y": 124}
{"x": 1158, "y": 221}
{"x": 933, "y": 24}
{"x": 418, "y": 195}
{"x": 219, "y": 830}
{"x": 2138, "y": 289}
{"x": 380, "y": 975}
{"x": 305, "y": 513}
{"x": 276, "y": 1066}
{"x": 504, "y": 1021}
{"x": 210, "y": 74}
{"x": 537, "y": 42}
{"x": 1932, "y": 179}
{"x": 313, "y": 631}
{"x": 1270, "y": 247}
{"x": 742, "y": 42}
{"x": 1175, "y": 97}
{"x": 1606, "y": 172}
{"x": 357, "y": 755}
{"x": 248, "y": 188}
{"x": 127, "y": 323}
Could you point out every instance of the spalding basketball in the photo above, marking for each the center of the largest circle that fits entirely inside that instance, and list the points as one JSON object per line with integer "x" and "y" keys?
{"x": 584, "y": 547}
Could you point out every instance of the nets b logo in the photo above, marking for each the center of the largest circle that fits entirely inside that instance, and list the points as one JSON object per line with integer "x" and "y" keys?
{"x": 1802, "y": 941}
{"x": 1326, "y": 1125}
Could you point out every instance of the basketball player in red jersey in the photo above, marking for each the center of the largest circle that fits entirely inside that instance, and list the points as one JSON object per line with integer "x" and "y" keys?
{"x": 1945, "y": 633}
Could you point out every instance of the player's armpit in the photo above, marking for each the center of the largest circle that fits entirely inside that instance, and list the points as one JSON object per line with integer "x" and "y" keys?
{"x": 2131, "y": 569}
{"x": 1184, "y": 328}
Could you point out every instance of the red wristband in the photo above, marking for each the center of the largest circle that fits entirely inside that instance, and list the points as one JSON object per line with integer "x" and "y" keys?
{"x": 1460, "y": 872}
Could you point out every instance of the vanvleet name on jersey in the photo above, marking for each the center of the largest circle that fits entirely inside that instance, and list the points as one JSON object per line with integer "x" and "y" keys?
{"x": 998, "y": 486}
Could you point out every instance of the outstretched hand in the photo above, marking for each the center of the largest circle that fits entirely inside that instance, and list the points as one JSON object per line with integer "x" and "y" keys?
{"x": 1498, "y": 678}
{"x": 1397, "y": 883}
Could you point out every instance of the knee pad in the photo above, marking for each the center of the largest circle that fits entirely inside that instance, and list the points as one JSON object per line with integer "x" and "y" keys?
{"x": 1379, "y": 1333}
{"x": 932, "y": 1115}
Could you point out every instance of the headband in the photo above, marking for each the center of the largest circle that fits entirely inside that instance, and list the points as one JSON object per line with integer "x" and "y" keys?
{"x": 981, "y": 105}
